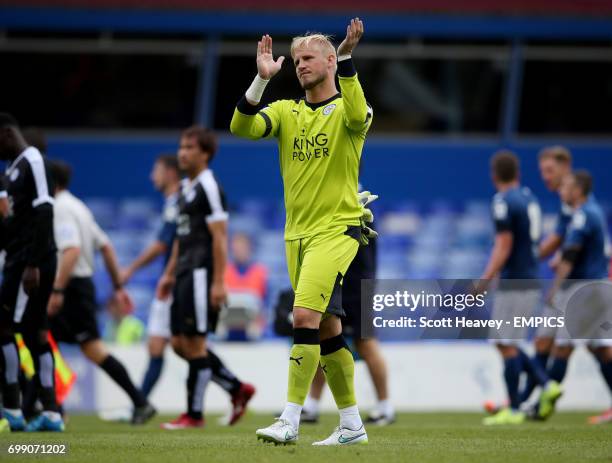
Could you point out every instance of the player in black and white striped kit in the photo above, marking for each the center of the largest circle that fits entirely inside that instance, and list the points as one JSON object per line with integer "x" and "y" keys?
{"x": 28, "y": 275}
{"x": 196, "y": 272}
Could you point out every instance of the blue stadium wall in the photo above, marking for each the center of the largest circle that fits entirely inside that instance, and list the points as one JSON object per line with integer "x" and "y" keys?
{"x": 398, "y": 170}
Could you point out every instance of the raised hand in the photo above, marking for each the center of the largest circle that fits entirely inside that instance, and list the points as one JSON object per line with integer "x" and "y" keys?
{"x": 354, "y": 32}
{"x": 266, "y": 66}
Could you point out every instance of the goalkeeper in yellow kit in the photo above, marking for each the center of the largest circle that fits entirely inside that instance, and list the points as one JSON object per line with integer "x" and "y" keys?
{"x": 320, "y": 138}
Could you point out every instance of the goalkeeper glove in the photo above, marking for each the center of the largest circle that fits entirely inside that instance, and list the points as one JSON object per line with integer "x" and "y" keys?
{"x": 364, "y": 198}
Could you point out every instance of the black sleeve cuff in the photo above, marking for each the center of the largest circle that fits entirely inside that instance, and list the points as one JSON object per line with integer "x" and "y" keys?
{"x": 346, "y": 68}
{"x": 247, "y": 108}
{"x": 570, "y": 255}
{"x": 502, "y": 227}
{"x": 268, "y": 124}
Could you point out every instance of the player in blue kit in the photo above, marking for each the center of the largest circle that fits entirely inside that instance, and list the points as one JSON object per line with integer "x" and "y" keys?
{"x": 517, "y": 217}
{"x": 584, "y": 260}
{"x": 555, "y": 162}
{"x": 166, "y": 177}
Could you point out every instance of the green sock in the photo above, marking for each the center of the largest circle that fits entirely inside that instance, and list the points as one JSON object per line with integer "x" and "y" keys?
{"x": 339, "y": 367}
{"x": 303, "y": 363}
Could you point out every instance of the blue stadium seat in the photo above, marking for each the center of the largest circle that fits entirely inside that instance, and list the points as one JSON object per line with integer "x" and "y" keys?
{"x": 418, "y": 241}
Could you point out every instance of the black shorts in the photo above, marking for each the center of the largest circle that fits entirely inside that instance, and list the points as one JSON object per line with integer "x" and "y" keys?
{"x": 24, "y": 313}
{"x": 76, "y": 322}
{"x": 191, "y": 313}
{"x": 362, "y": 267}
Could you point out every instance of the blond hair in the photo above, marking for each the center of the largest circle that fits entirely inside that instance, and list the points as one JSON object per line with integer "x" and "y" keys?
{"x": 558, "y": 153}
{"x": 313, "y": 38}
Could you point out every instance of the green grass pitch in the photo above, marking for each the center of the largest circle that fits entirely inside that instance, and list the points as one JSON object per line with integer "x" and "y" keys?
{"x": 415, "y": 437}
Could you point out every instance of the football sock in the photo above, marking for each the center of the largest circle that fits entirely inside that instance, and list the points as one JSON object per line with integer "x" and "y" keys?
{"x": 539, "y": 361}
{"x": 152, "y": 375}
{"x": 10, "y": 368}
{"x": 199, "y": 376}
{"x": 558, "y": 369}
{"x": 29, "y": 395}
{"x": 533, "y": 369}
{"x": 512, "y": 373}
{"x": 44, "y": 378}
{"x": 221, "y": 375}
{"x": 292, "y": 414}
{"x": 385, "y": 408}
{"x": 349, "y": 418}
{"x": 303, "y": 363}
{"x": 119, "y": 374}
{"x": 339, "y": 367}
{"x": 541, "y": 358}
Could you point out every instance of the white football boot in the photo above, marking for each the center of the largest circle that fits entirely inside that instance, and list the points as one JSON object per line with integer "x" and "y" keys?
{"x": 280, "y": 432}
{"x": 345, "y": 436}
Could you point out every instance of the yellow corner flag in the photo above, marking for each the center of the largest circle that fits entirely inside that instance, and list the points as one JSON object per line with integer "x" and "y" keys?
{"x": 64, "y": 376}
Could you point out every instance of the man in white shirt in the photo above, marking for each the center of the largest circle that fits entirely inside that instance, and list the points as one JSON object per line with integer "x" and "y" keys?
{"x": 72, "y": 305}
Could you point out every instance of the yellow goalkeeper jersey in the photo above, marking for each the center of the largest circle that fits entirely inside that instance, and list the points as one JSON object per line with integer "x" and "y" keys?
{"x": 319, "y": 153}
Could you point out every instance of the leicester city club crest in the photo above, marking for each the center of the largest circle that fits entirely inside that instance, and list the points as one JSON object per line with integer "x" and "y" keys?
{"x": 328, "y": 109}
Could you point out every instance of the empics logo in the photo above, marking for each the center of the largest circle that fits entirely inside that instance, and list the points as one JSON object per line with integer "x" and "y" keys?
{"x": 328, "y": 109}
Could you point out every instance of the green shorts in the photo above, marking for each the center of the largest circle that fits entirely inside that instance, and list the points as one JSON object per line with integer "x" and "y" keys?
{"x": 317, "y": 264}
